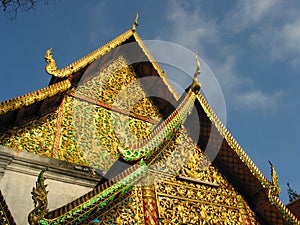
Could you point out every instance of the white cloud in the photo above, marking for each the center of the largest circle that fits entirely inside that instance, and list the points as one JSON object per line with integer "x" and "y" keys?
{"x": 247, "y": 13}
{"x": 241, "y": 93}
{"x": 274, "y": 26}
{"x": 295, "y": 63}
{"x": 281, "y": 43}
{"x": 291, "y": 33}
{"x": 257, "y": 100}
{"x": 190, "y": 29}
{"x": 193, "y": 29}
{"x": 225, "y": 71}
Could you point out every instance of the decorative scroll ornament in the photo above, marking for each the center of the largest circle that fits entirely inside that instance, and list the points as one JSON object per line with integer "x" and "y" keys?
{"x": 164, "y": 131}
{"x": 51, "y": 67}
{"x": 39, "y": 196}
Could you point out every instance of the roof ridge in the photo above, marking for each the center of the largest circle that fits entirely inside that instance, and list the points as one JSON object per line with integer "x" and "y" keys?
{"x": 294, "y": 201}
{"x": 288, "y": 215}
{"x": 84, "y": 61}
{"x": 232, "y": 142}
{"x": 35, "y": 96}
{"x": 160, "y": 72}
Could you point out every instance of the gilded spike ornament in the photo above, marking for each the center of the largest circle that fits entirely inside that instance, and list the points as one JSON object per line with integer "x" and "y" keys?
{"x": 196, "y": 85}
{"x": 274, "y": 189}
{"x": 135, "y": 23}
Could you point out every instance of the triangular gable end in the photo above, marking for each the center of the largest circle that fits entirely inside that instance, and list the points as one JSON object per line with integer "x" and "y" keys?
{"x": 47, "y": 105}
{"x": 51, "y": 102}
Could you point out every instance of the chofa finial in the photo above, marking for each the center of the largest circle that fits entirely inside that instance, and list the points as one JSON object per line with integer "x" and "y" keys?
{"x": 51, "y": 64}
{"x": 275, "y": 189}
{"x": 135, "y": 23}
{"x": 195, "y": 87}
{"x": 197, "y": 72}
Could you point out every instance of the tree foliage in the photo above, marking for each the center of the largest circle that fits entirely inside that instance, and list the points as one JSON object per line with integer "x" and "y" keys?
{"x": 293, "y": 195}
{"x": 11, "y": 8}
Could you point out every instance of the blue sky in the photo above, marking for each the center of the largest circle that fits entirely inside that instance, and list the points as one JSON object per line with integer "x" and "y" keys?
{"x": 252, "y": 47}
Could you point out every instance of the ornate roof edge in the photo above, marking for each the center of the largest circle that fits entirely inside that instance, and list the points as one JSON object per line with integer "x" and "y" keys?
{"x": 96, "y": 199}
{"x": 162, "y": 132}
{"x": 272, "y": 188}
{"x": 288, "y": 215}
{"x": 35, "y": 96}
{"x": 233, "y": 143}
{"x": 79, "y": 64}
{"x": 155, "y": 65}
{"x": 49, "y": 91}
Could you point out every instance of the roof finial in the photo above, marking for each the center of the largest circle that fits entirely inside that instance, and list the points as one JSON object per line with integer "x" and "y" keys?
{"x": 195, "y": 87}
{"x": 197, "y": 72}
{"x": 275, "y": 189}
{"x": 135, "y": 23}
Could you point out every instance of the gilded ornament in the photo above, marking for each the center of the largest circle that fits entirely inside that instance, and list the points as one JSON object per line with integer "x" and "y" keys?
{"x": 37, "y": 136}
{"x": 160, "y": 72}
{"x": 39, "y": 196}
{"x": 275, "y": 189}
{"x": 135, "y": 23}
{"x": 83, "y": 62}
{"x": 183, "y": 201}
{"x": 164, "y": 131}
{"x": 232, "y": 142}
{"x": 79, "y": 211}
{"x": 36, "y": 96}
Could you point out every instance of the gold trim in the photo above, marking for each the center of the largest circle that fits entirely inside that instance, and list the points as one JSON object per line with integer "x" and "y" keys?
{"x": 135, "y": 23}
{"x": 155, "y": 65}
{"x": 81, "y": 63}
{"x": 184, "y": 185}
{"x": 30, "y": 98}
{"x": 77, "y": 65}
{"x": 275, "y": 190}
{"x": 194, "y": 200}
{"x": 288, "y": 215}
{"x": 183, "y": 178}
{"x": 233, "y": 143}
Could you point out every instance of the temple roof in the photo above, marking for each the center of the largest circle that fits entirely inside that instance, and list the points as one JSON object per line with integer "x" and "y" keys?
{"x": 231, "y": 159}
{"x": 241, "y": 171}
{"x": 295, "y": 207}
{"x": 44, "y": 100}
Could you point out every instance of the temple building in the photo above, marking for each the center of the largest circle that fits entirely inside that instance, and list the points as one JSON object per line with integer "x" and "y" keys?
{"x": 97, "y": 146}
